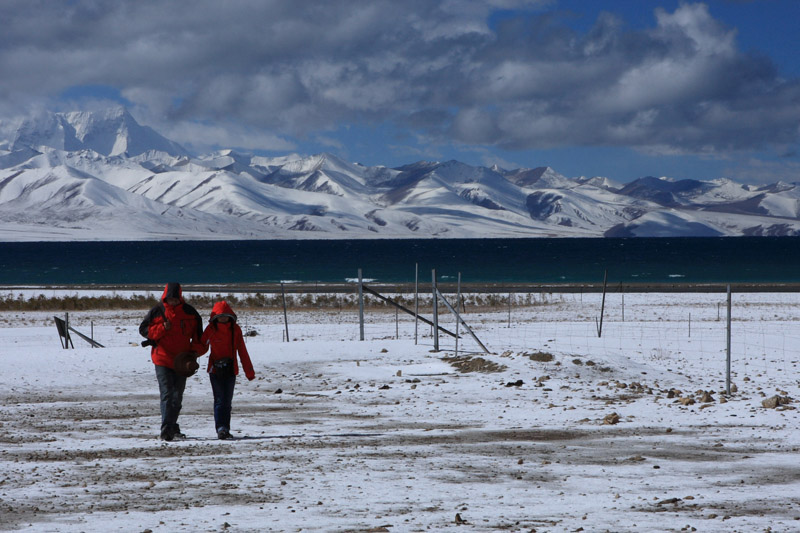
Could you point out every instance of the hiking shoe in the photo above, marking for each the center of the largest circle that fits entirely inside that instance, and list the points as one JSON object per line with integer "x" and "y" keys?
{"x": 176, "y": 433}
{"x": 224, "y": 434}
{"x": 167, "y": 435}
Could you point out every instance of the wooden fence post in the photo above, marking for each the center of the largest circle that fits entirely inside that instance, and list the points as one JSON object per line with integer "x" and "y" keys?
{"x": 285, "y": 316}
{"x": 435, "y": 312}
{"x": 360, "y": 305}
{"x": 728, "y": 362}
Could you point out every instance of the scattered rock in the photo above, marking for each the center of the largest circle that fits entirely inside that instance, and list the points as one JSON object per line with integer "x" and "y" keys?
{"x": 517, "y": 383}
{"x": 477, "y": 364}
{"x": 686, "y": 401}
{"x": 611, "y": 419}
{"x": 459, "y": 520}
{"x": 542, "y": 357}
{"x": 776, "y": 401}
{"x": 706, "y": 397}
{"x": 279, "y": 391}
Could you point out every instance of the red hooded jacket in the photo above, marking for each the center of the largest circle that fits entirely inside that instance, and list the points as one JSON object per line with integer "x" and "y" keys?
{"x": 183, "y": 334}
{"x": 226, "y": 340}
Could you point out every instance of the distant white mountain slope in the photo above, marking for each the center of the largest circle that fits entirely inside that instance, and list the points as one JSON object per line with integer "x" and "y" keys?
{"x": 102, "y": 176}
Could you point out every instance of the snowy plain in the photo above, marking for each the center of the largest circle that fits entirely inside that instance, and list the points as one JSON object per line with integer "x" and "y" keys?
{"x": 556, "y": 429}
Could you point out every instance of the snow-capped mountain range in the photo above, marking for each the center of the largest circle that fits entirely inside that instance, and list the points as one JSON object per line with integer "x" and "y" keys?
{"x": 102, "y": 176}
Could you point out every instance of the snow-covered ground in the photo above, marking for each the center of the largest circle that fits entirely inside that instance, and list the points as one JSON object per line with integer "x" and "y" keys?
{"x": 388, "y": 435}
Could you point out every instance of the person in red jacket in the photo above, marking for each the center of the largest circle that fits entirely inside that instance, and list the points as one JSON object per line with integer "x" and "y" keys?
{"x": 172, "y": 327}
{"x": 224, "y": 336}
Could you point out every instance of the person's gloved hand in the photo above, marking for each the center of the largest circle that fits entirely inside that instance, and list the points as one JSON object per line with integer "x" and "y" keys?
{"x": 199, "y": 348}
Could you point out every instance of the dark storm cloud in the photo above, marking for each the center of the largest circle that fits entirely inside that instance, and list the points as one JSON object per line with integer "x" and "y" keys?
{"x": 295, "y": 68}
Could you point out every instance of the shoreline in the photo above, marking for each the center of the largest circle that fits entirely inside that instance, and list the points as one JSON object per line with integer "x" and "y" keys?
{"x": 424, "y": 287}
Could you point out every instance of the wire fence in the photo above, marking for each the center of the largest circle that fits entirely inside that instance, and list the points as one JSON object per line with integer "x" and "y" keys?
{"x": 668, "y": 329}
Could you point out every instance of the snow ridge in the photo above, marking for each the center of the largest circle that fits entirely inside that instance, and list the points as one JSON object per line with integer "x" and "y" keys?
{"x": 102, "y": 176}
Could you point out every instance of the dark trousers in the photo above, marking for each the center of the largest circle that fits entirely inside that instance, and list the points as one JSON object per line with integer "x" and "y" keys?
{"x": 223, "y": 397}
{"x": 171, "y": 386}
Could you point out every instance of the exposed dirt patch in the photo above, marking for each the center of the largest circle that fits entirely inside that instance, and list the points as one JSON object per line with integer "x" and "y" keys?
{"x": 474, "y": 364}
{"x": 541, "y": 357}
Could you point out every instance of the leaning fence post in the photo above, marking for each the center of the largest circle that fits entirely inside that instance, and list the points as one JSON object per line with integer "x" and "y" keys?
{"x": 416, "y": 301}
{"x": 728, "y": 362}
{"x": 285, "y": 317}
{"x": 461, "y": 319}
{"x": 458, "y": 298}
{"x": 435, "y": 312}
{"x": 602, "y": 305}
{"x": 360, "y": 305}
{"x": 66, "y": 322}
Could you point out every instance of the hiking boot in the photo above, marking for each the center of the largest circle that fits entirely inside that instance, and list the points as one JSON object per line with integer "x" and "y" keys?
{"x": 224, "y": 434}
{"x": 176, "y": 433}
{"x": 167, "y": 434}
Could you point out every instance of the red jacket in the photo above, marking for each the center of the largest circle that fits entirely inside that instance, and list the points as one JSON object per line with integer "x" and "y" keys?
{"x": 226, "y": 340}
{"x": 184, "y": 333}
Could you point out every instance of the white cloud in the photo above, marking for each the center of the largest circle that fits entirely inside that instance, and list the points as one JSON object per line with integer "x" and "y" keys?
{"x": 299, "y": 68}
{"x": 754, "y": 170}
{"x": 201, "y": 137}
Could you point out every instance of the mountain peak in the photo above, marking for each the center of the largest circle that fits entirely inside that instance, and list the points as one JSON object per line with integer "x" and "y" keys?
{"x": 540, "y": 177}
{"x": 80, "y": 170}
{"x": 112, "y": 131}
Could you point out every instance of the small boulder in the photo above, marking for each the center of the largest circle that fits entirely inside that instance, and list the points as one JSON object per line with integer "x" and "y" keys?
{"x": 775, "y": 401}
{"x": 706, "y": 397}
